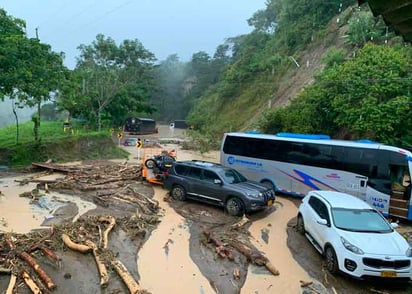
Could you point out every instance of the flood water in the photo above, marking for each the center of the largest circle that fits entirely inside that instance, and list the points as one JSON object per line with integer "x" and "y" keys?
{"x": 176, "y": 267}
{"x": 21, "y": 215}
{"x": 164, "y": 262}
{"x": 269, "y": 236}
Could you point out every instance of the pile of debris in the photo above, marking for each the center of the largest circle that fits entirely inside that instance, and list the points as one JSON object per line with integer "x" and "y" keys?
{"x": 108, "y": 185}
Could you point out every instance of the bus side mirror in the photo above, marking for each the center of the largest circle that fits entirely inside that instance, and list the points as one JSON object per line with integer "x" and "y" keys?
{"x": 217, "y": 182}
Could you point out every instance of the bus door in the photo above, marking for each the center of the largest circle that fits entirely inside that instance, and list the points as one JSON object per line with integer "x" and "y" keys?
{"x": 357, "y": 187}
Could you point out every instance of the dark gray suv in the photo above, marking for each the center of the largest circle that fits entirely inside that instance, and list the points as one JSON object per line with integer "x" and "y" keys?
{"x": 215, "y": 184}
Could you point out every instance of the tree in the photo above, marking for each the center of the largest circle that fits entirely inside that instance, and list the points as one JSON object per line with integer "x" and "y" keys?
{"x": 364, "y": 27}
{"x": 366, "y": 96}
{"x": 11, "y": 34}
{"x": 109, "y": 72}
{"x": 45, "y": 77}
{"x": 31, "y": 71}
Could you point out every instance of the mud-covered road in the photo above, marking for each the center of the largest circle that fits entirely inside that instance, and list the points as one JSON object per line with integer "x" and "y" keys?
{"x": 163, "y": 247}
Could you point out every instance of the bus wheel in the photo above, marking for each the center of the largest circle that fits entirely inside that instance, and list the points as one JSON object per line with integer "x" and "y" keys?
{"x": 269, "y": 185}
{"x": 178, "y": 193}
{"x": 234, "y": 206}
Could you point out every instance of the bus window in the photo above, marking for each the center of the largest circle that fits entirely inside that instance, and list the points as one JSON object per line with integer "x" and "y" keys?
{"x": 397, "y": 175}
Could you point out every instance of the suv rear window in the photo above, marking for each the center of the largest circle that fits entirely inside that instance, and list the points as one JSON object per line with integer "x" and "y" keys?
{"x": 181, "y": 169}
{"x": 194, "y": 172}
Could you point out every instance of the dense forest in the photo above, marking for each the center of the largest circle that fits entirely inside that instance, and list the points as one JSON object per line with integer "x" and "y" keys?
{"x": 308, "y": 66}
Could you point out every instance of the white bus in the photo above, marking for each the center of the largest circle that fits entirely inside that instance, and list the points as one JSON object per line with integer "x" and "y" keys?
{"x": 296, "y": 163}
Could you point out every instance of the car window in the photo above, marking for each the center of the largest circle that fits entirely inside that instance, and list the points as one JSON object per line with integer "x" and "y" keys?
{"x": 194, "y": 172}
{"x": 232, "y": 176}
{"x": 209, "y": 176}
{"x": 319, "y": 207}
{"x": 360, "y": 220}
{"x": 181, "y": 169}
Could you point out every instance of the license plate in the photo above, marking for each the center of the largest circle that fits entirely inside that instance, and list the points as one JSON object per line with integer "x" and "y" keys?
{"x": 270, "y": 202}
{"x": 388, "y": 274}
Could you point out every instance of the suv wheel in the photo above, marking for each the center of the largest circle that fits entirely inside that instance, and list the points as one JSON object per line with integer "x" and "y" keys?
{"x": 331, "y": 260}
{"x": 178, "y": 193}
{"x": 234, "y": 206}
{"x": 300, "y": 226}
{"x": 269, "y": 185}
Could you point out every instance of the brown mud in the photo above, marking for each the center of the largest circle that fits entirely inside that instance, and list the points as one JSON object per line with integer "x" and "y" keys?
{"x": 164, "y": 248}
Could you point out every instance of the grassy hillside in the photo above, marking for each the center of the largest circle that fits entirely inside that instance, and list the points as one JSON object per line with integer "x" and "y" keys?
{"x": 55, "y": 144}
{"x": 270, "y": 89}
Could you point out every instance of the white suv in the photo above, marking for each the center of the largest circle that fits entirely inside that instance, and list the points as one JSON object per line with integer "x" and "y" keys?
{"x": 354, "y": 237}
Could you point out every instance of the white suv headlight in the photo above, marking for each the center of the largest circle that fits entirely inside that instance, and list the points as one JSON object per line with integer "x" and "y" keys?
{"x": 409, "y": 252}
{"x": 349, "y": 246}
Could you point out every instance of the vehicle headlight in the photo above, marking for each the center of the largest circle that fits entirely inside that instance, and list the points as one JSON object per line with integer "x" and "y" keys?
{"x": 255, "y": 195}
{"x": 351, "y": 247}
{"x": 409, "y": 252}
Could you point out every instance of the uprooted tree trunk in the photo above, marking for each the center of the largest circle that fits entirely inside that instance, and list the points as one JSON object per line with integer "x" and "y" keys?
{"x": 127, "y": 278}
{"x": 30, "y": 283}
{"x": 252, "y": 256}
{"x": 12, "y": 282}
{"x": 104, "y": 277}
{"x": 74, "y": 246}
{"x": 112, "y": 221}
{"x": 40, "y": 272}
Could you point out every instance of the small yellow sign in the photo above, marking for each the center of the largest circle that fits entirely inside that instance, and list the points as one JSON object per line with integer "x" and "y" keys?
{"x": 119, "y": 135}
{"x": 111, "y": 131}
{"x": 139, "y": 144}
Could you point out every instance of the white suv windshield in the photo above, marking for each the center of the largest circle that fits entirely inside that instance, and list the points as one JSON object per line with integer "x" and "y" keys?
{"x": 231, "y": 176}
{"x": 360, "y": 220}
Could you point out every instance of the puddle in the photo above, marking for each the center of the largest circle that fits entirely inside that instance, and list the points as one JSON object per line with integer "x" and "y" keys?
{"x": 269, "y": 236}
{"x": 21, "y": 215}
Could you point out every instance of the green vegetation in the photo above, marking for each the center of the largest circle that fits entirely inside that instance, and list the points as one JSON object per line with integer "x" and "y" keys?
{"x": 368, "y": 96}
{"x": 55, "y": 144}
{"x": 307, "y": 66}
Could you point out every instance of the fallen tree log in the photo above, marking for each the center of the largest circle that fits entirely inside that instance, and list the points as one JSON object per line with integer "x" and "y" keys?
{"x": 12, "y": 283}
{"x": 40, "y": 272}
{"x": 100, "y": 201}
{"x": 26, "y": 181}
{"x": 9, "y": 241}
{"x": 127, "y": 278}
{"x": 222, "y": 250}
{"x": 104, "y": 277}
{"x": 30, "y": 283}
{"x": 74, "y": 246}
{"x": 46, "y": 251}
{"x": 55, "y": 167}
{"x": 255, "y": 257}
{"x": 112, "y": 221}
{"x": 5, "y": 271}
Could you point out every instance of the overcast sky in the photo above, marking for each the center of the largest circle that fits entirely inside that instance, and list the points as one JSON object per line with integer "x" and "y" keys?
{"x": 164, "y": 27}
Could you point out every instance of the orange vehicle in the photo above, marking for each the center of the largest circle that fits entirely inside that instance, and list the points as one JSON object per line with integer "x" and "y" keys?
{"x": 155, "y": 164}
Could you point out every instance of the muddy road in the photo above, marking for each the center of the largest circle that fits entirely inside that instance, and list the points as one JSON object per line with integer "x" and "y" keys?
{"x": 161, "y": 242}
